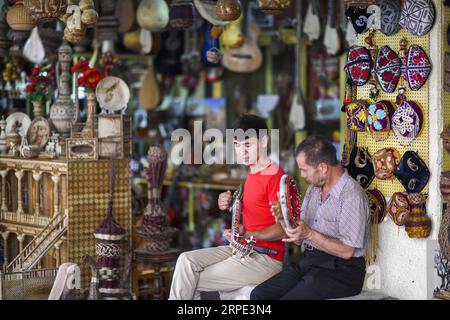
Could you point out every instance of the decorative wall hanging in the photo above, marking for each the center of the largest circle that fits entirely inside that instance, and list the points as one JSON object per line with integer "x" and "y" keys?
{"x": 357, "y": 115}
{"x": 407, "y": 122}
{"x": 412, "y": 172}
{"x": 360, "y": 166}
{"x": 18, "y": 18}
{"x": 417, "y": 224}
{"x": 155, "y": 230}
{"x": 63, "y": 112}
{"x": 358, "y": 65}
{"x": 273, "y": 6}
{"x": 153, "y": 15}
{"x": 44, "y": 10}
{"x": 385, "y": 161}
{"x": 387, "y": 69}
{"x": 377, "y": 205}
{"x": 390, "y": 16}
{"x": 417, "y": 16}
{"x": 181, "y": 14}
{"x": 228, "y": 10}
{"x": 399, "y": 208}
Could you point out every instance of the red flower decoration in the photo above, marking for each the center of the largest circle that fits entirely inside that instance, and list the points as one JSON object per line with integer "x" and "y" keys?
{"x": 388, "y": 76}
{"x": 356, "y": 72}
{"x": 383, "y": 61}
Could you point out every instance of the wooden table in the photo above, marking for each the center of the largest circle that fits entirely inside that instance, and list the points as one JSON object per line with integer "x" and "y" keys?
{"x": 157, "y": 259}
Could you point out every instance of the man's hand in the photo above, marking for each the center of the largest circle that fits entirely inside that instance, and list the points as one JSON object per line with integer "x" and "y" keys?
{"x": 300, "y": 233}
{"x": 224, "y": 200}
{"x": 227, "y": 234}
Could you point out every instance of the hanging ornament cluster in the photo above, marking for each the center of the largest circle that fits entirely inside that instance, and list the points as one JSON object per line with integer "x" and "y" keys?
{"x": 78, "y": 18}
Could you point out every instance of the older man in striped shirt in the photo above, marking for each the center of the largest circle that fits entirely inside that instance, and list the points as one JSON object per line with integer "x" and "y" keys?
{"x": 334, "y": 231}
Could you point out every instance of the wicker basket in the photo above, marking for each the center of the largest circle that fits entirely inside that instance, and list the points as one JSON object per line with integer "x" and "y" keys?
{"x": 18, "y": 18}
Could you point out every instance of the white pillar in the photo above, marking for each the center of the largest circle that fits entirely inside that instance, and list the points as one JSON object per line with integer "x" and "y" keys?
{"x": 20, "y": 238}
{"x": 19, "y": 175}
{"x": 37, "y": 177}
{"x": 56, "y": 178}
{"x": 3, "y": 174}
{"x": 5, "y": 236}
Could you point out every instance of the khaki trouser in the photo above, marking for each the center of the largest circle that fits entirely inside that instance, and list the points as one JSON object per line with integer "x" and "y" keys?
{"x": 214, "y": 269}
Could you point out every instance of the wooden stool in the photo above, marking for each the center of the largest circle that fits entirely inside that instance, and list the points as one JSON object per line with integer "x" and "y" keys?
{"x": 156, "y": 259}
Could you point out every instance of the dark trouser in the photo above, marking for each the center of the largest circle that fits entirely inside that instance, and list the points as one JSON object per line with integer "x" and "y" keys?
{"x": 317, "y": 276}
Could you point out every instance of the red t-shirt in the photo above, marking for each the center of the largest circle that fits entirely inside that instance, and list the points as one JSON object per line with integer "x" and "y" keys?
{"x": 259, "y": 189}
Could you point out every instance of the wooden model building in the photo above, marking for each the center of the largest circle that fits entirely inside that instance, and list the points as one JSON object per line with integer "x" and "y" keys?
{"x": 51, "y": 201}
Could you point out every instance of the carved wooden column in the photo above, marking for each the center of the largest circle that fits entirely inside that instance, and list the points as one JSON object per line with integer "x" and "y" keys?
{"x": 56, "y": 178}
{"x": 58, "y": 252}
{"x": 3, "y": 174}
{"x": 19, "y": 175}
{"x": 20, "y": 238}
{"x": 5, "y": 236}
{"x": 37, "y": 209}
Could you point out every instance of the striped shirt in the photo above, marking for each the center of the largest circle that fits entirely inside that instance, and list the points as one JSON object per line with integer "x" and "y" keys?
{"x": 343, "y": 215}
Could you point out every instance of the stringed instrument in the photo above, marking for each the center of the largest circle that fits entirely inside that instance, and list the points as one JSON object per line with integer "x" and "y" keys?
{"x": 313, "y": 27}
{"x": 126, "y": 12}
{"x": 248, "y": 57}
{"x": 297, "y": 112}
{"x": 149, "y": 95}
{"x": 331, "y": 39}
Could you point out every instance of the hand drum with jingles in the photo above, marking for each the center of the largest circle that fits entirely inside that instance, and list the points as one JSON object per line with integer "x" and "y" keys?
{"x": 241, "y": 247}
{"x": 290, "y": 201}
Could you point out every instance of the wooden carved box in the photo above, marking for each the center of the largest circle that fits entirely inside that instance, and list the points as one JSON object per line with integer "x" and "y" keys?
{"x": 114, "y": 136}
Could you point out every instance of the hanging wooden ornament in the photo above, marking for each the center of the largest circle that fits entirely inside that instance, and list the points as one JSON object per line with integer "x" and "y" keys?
{"x": 18, "y": 18}
{"x": 44, "y": 10}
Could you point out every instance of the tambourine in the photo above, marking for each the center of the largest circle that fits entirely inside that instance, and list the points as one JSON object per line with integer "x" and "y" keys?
{"x": 241, "y": 247}
{"x": 290, "y": 201}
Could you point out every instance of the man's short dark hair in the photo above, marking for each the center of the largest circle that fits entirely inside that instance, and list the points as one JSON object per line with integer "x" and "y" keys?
{"x": 317, "y": 150}
{"x": 249, "y": 121}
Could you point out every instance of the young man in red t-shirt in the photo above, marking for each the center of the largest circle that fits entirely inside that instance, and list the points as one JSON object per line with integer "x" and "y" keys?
{"x": 215, "y": 269}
